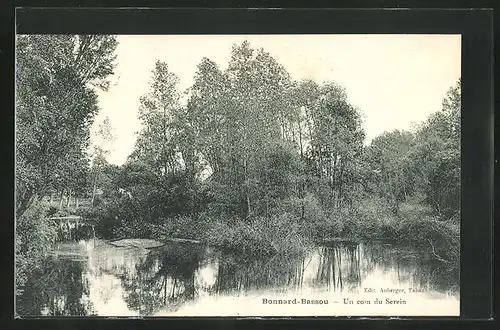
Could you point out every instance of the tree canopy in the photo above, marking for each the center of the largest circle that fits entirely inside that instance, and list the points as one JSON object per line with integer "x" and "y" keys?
{"x": 56, "y": 77}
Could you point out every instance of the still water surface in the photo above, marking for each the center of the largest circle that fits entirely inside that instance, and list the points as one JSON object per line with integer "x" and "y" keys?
{"x": 95, "y": 278}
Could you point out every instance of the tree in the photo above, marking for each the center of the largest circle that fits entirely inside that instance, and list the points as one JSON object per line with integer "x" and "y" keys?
{"x": 234, "y": 115}
{"x": 102, "y": 149}
{"x": 167, "y": 146}
{"x": 238, "y": 118}
{"x": 388, "y": 158}
{"x": 436, "y": 156}
{"x": 207, "y": 114}
{"x": 156, "y": 141}
{"x": 336, "y": 141}
{"x": 55, "y": 104}
{"x": 256, "y": 106}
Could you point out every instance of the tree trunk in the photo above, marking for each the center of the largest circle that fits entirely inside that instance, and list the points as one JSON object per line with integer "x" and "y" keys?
{"x": 404, "y": 191}
{"x": 340, "y": 183}
{"x": 68, "y": 202}
{"x": 164, "y": 144}
{"x": 35, "y": 197}
{"x": 94, "y": 190}
{"x": 300, "y": 140}
{"x": 25, "y": 203}
{"x": 395, "y": 208}
{"x": 247, "y": 192}
{"x": 303, "y": 210}
{"x": 61, "y": 199}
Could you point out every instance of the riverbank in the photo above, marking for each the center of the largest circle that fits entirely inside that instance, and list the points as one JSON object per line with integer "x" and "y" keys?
{"x": 414, "y": 225}
{"x": 291, "y": 233}
{"x": 284, "y": 234}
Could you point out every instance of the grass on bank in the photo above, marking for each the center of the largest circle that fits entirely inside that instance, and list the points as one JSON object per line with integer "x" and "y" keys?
{"x": 287, "y": 231}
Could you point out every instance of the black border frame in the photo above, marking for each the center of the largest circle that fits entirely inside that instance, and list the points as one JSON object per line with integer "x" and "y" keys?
{"x": 476, "y": 27}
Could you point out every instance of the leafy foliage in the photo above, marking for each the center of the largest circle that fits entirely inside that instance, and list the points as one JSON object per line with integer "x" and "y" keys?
{"x": 35, "y": 235}
{"x": 56, "y": 77}
{"x": 436, "y": 156}
{"x": 247, "y": 158}
{"x": 254, "y": 152}
{"x": 55, "y": 105}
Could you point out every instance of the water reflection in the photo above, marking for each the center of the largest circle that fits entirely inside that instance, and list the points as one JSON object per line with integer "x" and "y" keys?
{"x": 90, "y": 278}
{"x": 165, "y": 278}
{"x": 56, "y": 290}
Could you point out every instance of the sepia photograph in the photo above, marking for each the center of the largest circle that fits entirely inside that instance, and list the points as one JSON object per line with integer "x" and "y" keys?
{"x": 237, "y": 175}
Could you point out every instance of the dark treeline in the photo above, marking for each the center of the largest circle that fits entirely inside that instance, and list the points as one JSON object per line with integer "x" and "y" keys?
{"x": 247, "y": 158}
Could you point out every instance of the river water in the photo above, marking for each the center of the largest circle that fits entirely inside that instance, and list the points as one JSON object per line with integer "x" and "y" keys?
{"x": 93, "y": 277}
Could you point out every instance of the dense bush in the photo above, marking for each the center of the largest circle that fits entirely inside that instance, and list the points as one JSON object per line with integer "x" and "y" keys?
{"x": 310, "y": 214}
{"x": 106, "y": 216}
{"x": 35, "y": 235}
{"x": 270, "y": 194}
{"x": 132, "y": 228}
{"x": 440, "y": 238}
{"x": 415, "y": 225}
{"x": 52, "y": 211}
{"x": 278, "y": 234}
{"x": 182, "y": 226}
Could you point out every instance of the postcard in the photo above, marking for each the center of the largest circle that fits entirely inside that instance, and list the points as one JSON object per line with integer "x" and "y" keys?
{"x": 238, "y": 175}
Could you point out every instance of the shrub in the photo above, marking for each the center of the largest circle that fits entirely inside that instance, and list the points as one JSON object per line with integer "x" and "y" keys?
{"x": 440, "y": 238}
{"x": 415, "y": 225}
{"x": 52, "y": 211}
{"x": 58, "y": 213}
{"x": 372, "y": 219}
{"x": 258, "y": 235}
{"x": 34, "y": 236}
{"x": 314, "y": 222}
{"x": 106, "y": 216}
{"x": 132, "y": 228}
{"x": 182, "y": 226}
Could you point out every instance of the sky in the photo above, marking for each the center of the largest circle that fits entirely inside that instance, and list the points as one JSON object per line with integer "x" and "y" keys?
{"x": 396, "y": 80}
